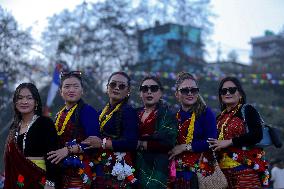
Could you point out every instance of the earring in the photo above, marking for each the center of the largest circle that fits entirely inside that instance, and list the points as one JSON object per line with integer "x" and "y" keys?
{"x": 36, "y": 108}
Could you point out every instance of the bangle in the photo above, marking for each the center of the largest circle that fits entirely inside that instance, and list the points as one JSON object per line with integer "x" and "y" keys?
{"x": 50, "y": 183}
{"x": 104, "y": 143}
{"x": 188, "y": 147}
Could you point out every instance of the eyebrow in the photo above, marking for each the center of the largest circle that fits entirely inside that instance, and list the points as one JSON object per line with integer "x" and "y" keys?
{"x": 118, "y": 81}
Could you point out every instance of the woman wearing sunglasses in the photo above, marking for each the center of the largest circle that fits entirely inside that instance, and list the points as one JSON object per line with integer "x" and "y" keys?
{"x": 74, "y": 123}
{"x": 196, "y": 123}
{"x": 241, "y": 162}
{"x": 157, "y": 134}
{"x": 118, "y": 128}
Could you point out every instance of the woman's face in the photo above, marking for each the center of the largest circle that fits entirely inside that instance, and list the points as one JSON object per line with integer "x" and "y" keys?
{"x": 229, "y": 94}
{"x": 117, "y": 88}
{"x": 187, "y": 93}
{"x": 150, "y": 93}
{"x": 25, "y": 103}
{"x": 71, "y": 90}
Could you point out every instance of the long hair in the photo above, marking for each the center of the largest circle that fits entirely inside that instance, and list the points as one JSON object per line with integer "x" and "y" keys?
{"x": 199, "y": 106}
{"x": 239, "y": 87}
{"x": 35, "y": 94}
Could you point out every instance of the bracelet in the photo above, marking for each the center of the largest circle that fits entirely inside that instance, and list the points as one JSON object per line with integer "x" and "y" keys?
{"x": 50, "y": 183}
{"x": 188, "y": 147}
{"x": 104, "y": 143}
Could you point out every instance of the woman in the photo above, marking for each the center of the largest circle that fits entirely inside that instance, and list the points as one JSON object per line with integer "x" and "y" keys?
{"x": 118, "y": 129}
{"x": 31, "y": 136}
{"x": 196, "y": 123}
{"x": 240, "y": 161}
{"x": 157, "y": 135}
{"x": 74, "y": 123}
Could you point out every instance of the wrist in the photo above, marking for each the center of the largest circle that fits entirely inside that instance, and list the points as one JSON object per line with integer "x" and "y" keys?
{"x": 104, "y": 143}
{"x": 69, "y": 150}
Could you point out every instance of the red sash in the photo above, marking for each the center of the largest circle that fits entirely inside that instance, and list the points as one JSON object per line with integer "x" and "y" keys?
{"x": 19, "y": 171}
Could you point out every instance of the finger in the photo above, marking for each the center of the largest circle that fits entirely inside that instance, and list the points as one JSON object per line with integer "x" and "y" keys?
{"x": 51, "y": 156}
{"x": 88, "y": 147}
{"x": 86, "y": 142}
{"x": 51, "y": 152}
{"x": 171, "y": 156}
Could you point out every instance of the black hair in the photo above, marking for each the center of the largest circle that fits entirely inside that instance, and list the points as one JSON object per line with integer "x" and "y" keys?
{"x": 199, "y": 106}
{"x": 154, "y": 78}
{"x": 239, "y": 87}
{"x": 120, "y": 73}
{"x": 63, "y": 78}
{"x": 35, "y": 94}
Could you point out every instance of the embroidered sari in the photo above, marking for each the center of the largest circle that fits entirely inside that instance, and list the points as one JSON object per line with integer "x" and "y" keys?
{"x": 241, "y": 165}
{"x": 159, "y": 130}
{"x": 21, "y": 172}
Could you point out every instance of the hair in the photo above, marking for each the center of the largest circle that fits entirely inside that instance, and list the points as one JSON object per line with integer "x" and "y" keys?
{"x": 154, "y": 78}
{"x": 199, "y": 106}
{"x": 239, "y": 87}
{"x": 62, "y": 79}
{"x": 35, "y": 94}
{"x": 123, "y": 74}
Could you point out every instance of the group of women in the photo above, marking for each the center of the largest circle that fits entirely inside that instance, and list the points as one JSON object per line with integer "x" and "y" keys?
{"x": 123, "y": 147}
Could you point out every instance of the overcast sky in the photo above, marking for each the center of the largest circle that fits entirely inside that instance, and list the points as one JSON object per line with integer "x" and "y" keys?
{"x": 236, "y": 22}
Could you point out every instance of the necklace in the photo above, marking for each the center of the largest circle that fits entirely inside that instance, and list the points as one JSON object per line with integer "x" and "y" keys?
{"x": 107, "y": 117}
{"x": 25, "y": 133}
{"x": 221, "y": 135}
{"x": 67, "y": 118}
{"x": 190, "y": 129}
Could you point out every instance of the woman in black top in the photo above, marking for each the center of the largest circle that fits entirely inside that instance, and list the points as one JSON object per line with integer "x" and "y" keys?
{"x": 31, "y": 136}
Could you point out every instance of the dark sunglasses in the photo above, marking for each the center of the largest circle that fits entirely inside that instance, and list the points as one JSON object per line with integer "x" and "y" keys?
{"x": 187, "y": 90}
{"x": 145, "y": 88}
{"x": 71, "y": 73}
{"x": 113, "y": 85}
{"x": 231, "y": 90}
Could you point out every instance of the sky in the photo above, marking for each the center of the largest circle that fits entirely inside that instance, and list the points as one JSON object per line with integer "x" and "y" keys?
{"x": 236, "y": 21}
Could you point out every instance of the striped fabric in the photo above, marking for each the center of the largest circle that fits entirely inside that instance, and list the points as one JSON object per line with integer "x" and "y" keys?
{"x": 247, "y": 178}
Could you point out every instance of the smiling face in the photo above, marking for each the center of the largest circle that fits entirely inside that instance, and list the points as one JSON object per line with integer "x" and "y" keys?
{"x": 187, "y": 93}
{"x": 25, "y": 102}
{"x": 71, "y": 90}
{"x": 150, "y": 93}
{"x": 229, "y": 94}
{"x": 117, "y": 88}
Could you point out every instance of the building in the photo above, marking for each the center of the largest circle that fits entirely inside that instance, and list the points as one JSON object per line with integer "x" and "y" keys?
{"x": 268, "y": 50}
{"x": 171, "y": 48}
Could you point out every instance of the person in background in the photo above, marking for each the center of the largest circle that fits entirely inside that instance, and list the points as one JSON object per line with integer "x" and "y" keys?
{"x": 74, "y": 123}
{"x": 30, "y": 138}
{"x": 118, "y": 141}
{"x": 240, "y": 160}
{"x": 196, "y": 124}
{"x": 157, "y": 135}
{"x": 277, "y": 174}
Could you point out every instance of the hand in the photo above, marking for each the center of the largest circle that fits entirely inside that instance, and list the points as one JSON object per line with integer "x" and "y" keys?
{"x": 93, "y": 142}
{"x": 177, "y": 150}
{"x": 58, "y": 155}
{"x": 215, "y": 144}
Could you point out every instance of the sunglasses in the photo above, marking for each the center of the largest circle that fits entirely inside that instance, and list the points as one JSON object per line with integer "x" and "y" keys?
{"x": 71, "y": 73}
{"x": 187, "y": 90}
{"x": 231, "y": 90}
{"x": 145, "y": 88}
{"x": 113, "y": 85}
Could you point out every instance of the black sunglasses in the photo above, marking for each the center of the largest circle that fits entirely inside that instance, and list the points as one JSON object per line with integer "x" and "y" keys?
{"x": 113, "y": 85}
{"x": 187, "y": 90}
{"x": 231, "y": 90}
{"x": 71, "y": 73}
{"x": 145, "y": 88}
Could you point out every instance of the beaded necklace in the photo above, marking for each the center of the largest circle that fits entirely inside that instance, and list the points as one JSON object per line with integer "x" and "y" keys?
{"x": 234, "y": 111}
{"x": 67, "y": 118}
{"x": 107, "y": 117}
{"x": 25, "y": 133}
{"x": 190, "y": 129}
